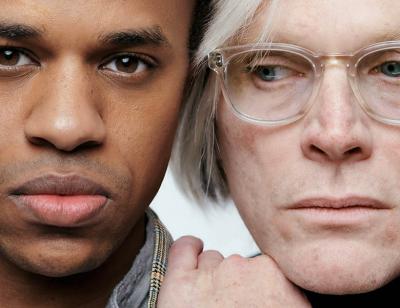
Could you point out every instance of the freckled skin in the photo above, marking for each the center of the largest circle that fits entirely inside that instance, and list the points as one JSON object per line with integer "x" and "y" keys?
{"x": 70, "y": 113}
{"x": 269, "y": 168}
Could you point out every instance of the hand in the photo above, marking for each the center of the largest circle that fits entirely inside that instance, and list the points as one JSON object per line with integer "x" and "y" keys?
{"x": 197, "y": 279}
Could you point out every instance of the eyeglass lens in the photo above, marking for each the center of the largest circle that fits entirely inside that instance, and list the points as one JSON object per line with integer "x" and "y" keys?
{"x": 274, "y": 85}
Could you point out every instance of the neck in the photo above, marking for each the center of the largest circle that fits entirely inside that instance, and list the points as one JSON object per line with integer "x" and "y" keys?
{"x": 371, "y": 299}
{"x": 91, "y": 289}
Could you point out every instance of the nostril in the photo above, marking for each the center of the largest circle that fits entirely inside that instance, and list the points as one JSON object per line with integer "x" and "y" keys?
{"x": 43, "y": 142}
{"x": 316, "y": 150}
{"x": 353, "y": 151}
{"x": 319, "y": 152}
{"x": 39, "y": 141}
{"x": 87, "y": 145}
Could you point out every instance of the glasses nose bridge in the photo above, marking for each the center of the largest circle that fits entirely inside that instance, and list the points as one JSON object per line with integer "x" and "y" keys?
{"x": 338, "y": 61}
{"x": 344, "y": 64}
{"x": 335, "y": 60}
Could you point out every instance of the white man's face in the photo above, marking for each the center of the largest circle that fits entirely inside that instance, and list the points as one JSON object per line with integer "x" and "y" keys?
{"x": 321, "y": 195}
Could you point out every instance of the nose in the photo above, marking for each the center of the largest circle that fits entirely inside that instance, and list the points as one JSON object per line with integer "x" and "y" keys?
{"x": 65, "y": 114}
{"x": 336, "y": 128}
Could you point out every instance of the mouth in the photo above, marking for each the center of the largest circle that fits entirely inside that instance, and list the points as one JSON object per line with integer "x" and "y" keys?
{"x": 61, "y": 201}
{"x": 339, "y": 211}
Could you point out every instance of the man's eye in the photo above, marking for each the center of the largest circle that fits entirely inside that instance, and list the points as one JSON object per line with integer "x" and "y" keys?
{"x": 390, "y": 69}
{"x": 272, "y": 73}
{"x": 127, "y": 64}
{"x": 13, "y": 57}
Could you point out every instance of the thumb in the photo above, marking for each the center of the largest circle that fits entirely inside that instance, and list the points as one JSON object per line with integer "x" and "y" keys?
{"x": 183, "y": 255}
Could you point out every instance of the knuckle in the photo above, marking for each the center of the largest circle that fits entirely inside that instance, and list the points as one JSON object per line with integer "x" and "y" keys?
{"x": 211, "y": 254}
{"x": 235, "y": 261}
{"x": 187, "y": 243}
{"x": 235, "y": 258}
{"x": 187, "y": 240}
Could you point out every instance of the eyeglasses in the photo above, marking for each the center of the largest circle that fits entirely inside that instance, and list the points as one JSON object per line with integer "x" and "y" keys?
{"x": 276, "y": 84}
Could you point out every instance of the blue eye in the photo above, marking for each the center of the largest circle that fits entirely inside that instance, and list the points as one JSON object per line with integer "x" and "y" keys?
{"x": 272, "y": 73}
{"x": 391, "y": 69}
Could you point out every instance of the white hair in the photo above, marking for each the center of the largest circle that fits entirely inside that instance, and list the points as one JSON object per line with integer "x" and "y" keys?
{"x": 229, "y": 17}
{"x": 196, "y": 155}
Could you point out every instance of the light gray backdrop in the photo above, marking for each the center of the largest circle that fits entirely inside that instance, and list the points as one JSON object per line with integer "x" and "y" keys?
{"x": 219, "y": 226}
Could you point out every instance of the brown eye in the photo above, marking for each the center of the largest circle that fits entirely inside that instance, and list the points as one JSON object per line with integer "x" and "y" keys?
{"x": 13, "y": 57}
{"x": 9, "y": 57}
{"x": 127, "y": 64}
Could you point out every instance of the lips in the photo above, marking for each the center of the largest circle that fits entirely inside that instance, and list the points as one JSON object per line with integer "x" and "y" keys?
{"x": 331, "y": 212}
{"x": 339, "y": 203}
{"x": 62, "y": 201}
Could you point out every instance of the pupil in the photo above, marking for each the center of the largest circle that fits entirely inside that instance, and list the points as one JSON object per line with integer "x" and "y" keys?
{"x": 127, "y": 64}
{"x": 267, "y": 71}
{"x": 391, "y": 69}
{"x": 126, "y": 61}
{"x": 9, "y": 57}
{"x": 8, "y": 54}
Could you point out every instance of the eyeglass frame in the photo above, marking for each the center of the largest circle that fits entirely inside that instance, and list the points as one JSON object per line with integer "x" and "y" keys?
{"x": 219, "y": 58}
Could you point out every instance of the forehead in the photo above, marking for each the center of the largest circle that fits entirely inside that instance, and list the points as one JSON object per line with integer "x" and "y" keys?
{"x": 331, "y": 26}
{"x": 79, "y": 18}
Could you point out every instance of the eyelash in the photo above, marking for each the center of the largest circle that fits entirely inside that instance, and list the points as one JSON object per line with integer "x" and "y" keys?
{"x": 18, "y": 70}
{"x": 19, "y": 50}
{"x": 145, "y": 64}
{"x": 146, "y": 60}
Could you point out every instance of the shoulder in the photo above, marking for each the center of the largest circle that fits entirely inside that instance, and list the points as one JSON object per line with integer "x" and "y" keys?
{"x": 162, "y": 242}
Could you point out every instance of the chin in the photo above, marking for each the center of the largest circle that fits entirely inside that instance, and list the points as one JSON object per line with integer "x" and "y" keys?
{"x": 57, "y": 262}
{"x": 338, "y": 272}
{"x": 345, "y": 283}
{"x": 56, "y": 268}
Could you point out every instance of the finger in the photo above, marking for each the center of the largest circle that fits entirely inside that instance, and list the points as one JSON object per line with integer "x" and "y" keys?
{"x": 209, "y": 259}
{"x": 184, "y": 253}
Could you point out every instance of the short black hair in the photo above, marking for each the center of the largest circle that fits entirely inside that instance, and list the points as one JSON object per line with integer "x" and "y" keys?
{"x": 201, "y": 15}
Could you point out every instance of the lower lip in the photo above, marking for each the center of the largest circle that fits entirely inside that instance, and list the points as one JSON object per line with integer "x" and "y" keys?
{"x": 62, "y": 211}
{"x": 339, "y": 216}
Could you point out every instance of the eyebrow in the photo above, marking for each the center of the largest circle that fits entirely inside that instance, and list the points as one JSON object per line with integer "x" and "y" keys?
{"x": 16, "y": 31}
{"x": 136, "y": 37}
{"x": 129, "y": 37}
{"x": 391, "y": 36}
{"x": 377, "y": 37}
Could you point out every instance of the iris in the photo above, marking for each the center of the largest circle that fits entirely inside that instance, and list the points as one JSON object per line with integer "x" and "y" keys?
{"x": 391, "y": 69}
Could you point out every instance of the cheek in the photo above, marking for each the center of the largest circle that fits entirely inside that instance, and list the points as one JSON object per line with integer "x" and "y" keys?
{"x": 143, "y": 120}
{"x": 384, "y": 178}
{"x": 257, "y": 162}
{"x": 256, "y": 159}
{"x": 237, "y": 154}
{"x": 141, "y": 129}
{"x": 391, "y": 235}
{"x": 390, "y": 144}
